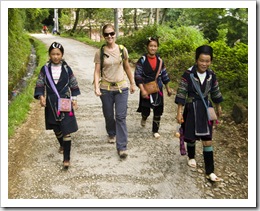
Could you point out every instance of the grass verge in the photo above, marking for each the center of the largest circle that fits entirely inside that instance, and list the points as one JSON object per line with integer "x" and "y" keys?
{"x": 19, "y": 108}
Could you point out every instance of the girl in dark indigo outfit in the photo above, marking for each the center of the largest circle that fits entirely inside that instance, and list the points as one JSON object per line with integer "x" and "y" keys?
{"x": 62, "y": 123}
{"x": 194, "y": 118}
{"x": 146, "y": 69}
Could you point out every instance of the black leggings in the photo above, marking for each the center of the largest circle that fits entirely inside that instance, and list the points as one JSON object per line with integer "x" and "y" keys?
{"x": 157, "y": 112}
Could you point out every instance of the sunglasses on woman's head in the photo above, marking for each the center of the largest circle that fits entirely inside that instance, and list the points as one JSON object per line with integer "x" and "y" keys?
{"x": 110, "y": 33}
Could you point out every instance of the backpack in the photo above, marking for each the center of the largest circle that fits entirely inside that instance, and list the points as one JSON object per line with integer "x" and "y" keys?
{"x": 121, "y": 48}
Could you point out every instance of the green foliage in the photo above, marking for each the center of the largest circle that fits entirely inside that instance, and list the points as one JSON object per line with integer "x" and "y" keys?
{"x": 180, "y": 40}
{"x": 231, "y": 67}
{"x": 18, "y": 48}
{"x": 236, "y": 22}
{"x": 139, "y": 38}
{"x": 210, "y": 20}
{"x": 65, "y": 18}
{"x": 34, "y": 18}
{"x": 19, "y": 108}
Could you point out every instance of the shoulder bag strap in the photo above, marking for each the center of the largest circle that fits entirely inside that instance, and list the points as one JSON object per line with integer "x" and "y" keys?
{"x": 199, "y": 91}
{"x": 51, "y": 81}
{"x": 101, "y": 58}
{"x": 159, "y": 69}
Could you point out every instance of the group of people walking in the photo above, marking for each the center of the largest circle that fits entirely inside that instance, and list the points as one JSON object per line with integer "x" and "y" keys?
{"x": 112, "y": 75}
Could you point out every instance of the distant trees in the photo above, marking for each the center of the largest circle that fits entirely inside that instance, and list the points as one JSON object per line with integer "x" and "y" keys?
{"x": 84, "y": 20}
{"x": 210, "y": 20}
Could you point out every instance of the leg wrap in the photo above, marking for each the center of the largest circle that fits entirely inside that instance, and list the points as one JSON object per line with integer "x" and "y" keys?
{"x": 191, "y": 146}
{"x": 144, "y": 117}
{"x": 66, "y": 147}
{"x": 208, "y": 159}
{"x": 156, "y": 123}
{"x": 59, "y": 136}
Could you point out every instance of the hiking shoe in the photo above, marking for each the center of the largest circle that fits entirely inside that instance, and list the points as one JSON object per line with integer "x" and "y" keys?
{"x": 60, "y": 150}
{"x": 156, "y": 135}
{"x": 122, "y": 153}
{"x": 143, "y": 122}
{"x": 111, "y": 139}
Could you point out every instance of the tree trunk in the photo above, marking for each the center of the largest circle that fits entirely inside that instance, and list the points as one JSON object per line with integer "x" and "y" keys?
{"x": 135, "y": 19}
{"x": 157, "y": 10}
{"x": 165, "y": 10}
{"x": 76, "y": 22}
{"x": 150, "y": 16}
{"x": 116, "y": 21}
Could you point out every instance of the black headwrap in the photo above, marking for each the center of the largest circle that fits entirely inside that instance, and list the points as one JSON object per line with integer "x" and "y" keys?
{"x": 56, "y": 45}
{"x": 204, "y": 49}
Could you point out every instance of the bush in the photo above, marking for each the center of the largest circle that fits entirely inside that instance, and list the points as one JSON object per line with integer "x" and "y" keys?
{"x": 231, "y": 67}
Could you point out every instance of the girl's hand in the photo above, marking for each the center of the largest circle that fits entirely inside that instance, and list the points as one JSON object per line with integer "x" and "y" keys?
{"x": 75, "y": 104}
{"x": 179, "y": 118}
{"x": 219, "y": 112}
{"x": 169, "y": 92}
{"x": 42, "y": 101}
{"x": 144, "y": 94}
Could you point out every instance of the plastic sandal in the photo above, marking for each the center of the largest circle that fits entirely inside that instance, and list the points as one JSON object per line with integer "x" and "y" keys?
{"x": 192, "y": 163}
{"x": 213, "y": 177}
{"x": 156, "y": 135}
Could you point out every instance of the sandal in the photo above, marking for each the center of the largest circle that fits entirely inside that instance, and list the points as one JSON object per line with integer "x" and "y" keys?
{"x": 66, "y": 164}
{"x": 192, "y": 163}
{"x": 213, "y": 177}
{"x": 156, "y": 135}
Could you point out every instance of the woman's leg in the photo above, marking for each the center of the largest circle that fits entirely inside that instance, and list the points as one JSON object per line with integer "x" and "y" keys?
{"x": 121, "y": 113}
{"x": 108, "y": 101}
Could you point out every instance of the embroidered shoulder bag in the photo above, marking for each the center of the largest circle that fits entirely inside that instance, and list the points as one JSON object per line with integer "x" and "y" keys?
{"x": 152, "y": 87}
{"x": 64, "y": 104}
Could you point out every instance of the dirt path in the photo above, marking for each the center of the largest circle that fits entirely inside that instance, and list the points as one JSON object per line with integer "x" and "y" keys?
{"x": 154, "y": 169}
